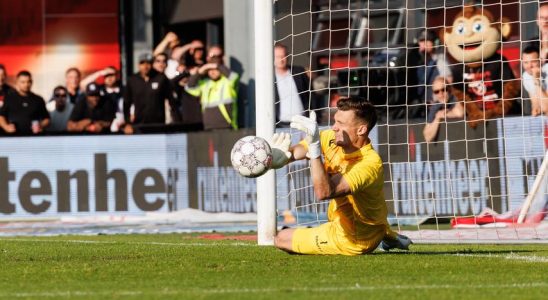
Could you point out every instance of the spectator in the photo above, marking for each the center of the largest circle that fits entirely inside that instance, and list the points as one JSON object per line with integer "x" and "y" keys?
{"x": 541, "y": 40}
{"x": 190, "y": 55}
{"x": 217, "y": 87}
{"x": 432, "y": 64}
{"x": 23, "y": 111}
{"x": 535, "y": 81}
{"x": 160, "y": 63}
{"x": 215, "y": 53}
{"x": 94, "y": 114}
{"x": 110, "y": 89}
{"x": 72, "y": 84}
{"x": 444, "y": 106}
{"x": 147, "y": 90}
{"x": 59, "y": 109}
{"x": 292, "y": 94}
{"x": 4, "y": 87}
{"x": 166, "y": 49}
{"x": 189, "y": 106}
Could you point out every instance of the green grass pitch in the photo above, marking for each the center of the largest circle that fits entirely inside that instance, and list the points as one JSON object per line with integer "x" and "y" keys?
{"x": 179, "y": 266}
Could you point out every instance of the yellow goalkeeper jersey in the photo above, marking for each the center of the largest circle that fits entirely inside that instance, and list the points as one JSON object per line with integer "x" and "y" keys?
{"x": 363, "y": 170}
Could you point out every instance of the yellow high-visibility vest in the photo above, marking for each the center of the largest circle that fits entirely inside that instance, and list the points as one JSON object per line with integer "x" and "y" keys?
{"x": 218, "y": 94}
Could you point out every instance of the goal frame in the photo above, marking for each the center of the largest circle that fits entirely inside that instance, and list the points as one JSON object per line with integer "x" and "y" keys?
{"x": 264, "y": 22}
{"x": 264, "y": 114}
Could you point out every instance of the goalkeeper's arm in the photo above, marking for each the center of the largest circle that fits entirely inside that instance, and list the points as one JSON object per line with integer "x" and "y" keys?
{"x": 298, "y": 152}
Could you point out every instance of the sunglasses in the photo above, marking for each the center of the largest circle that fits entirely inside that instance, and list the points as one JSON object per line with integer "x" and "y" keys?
{"x": 60, "y": 95}
{"x": 438, "y": 91}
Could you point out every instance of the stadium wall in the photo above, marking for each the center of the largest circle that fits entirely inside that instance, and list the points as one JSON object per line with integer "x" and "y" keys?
{"x": 462, "y": 173}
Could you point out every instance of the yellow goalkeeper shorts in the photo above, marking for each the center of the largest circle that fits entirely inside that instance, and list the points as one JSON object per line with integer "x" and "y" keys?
{"x": 328, "y": 239}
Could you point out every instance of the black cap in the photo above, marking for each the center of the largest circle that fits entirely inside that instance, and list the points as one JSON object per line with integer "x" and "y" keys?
{"x": 93, "y": 89}
{"x": 427, "y": 35}
{"x": 146, "y": 57}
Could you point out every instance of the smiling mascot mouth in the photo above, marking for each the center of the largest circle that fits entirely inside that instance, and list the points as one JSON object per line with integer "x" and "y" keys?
{"x": 470, "y": 46}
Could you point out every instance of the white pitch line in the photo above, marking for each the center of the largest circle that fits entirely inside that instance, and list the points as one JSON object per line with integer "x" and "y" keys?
{"x": 511, "y": 256}
{"x": 315, "y": 289}
{"x": 129, "y": 242}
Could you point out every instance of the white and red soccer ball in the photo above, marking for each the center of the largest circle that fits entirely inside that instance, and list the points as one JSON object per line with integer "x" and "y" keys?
{"x": 251, "y": 156}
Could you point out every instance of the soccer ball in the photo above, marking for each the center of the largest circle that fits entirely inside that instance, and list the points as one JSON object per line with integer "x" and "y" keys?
{"x": 251, "y": 156}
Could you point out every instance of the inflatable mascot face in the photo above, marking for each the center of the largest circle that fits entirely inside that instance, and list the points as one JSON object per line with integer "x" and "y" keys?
{"x": 482, "y": 77}
{"x": 474, "y": 35}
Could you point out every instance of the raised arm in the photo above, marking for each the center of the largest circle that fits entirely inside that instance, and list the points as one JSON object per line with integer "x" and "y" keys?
{"x": 430, "y": 130}
{"x": 94, "y": 76}
{"x": 162, "y": 46}
{"x": 326, "y": 186}
{"x": 178, "y": 52}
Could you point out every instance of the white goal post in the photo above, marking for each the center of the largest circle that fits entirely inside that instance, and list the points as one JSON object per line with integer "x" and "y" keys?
{"x": 466, "y": 184}
{"x": 264, "y": 108}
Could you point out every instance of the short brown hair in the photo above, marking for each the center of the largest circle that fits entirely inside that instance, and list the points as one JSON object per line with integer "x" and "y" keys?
{"x": 24, "y": 73}
{"x": 363, "y": 109}
{"x": 73, "y": 69}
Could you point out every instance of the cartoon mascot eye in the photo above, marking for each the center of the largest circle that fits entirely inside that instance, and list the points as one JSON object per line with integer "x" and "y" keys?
{"x": 477, "y": 27}
{"x": 460, "y": 29}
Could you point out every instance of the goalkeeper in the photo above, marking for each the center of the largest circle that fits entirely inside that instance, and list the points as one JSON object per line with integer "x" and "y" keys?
{"x": 351, "y": 175}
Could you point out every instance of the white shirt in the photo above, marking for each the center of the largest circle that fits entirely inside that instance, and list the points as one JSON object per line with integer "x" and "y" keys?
{"x": 529, "y": 82}
{"x": 171, "y": 69}
{"x": 290, "y": 102}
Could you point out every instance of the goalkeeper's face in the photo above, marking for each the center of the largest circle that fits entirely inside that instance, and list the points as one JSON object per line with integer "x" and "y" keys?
{"x": 472, "y": 39}
{"x": 348, "y": 128}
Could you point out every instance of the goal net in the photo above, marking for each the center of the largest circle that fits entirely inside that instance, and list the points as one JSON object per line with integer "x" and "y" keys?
{"x": 449, "y": 175}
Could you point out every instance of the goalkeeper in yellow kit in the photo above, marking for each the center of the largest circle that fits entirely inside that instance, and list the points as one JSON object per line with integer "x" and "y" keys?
{"x": 351, "y": 176}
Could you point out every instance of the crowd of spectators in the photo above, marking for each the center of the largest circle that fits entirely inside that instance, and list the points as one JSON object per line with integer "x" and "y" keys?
{"x": 191, "y": 84}
{"x": 176, "y": 84}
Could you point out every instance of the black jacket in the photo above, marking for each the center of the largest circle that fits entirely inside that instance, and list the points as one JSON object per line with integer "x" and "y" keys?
{"x": 148, "y": 98}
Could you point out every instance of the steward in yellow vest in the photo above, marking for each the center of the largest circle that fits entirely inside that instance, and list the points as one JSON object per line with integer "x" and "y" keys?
{"x": 217, "y": 87}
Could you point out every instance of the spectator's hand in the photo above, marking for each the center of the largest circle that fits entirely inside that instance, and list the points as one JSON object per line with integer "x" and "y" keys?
{"x": 535, "y": 110}
{"x": 128, "y": 129}
{"x": 536, "y": 72}
{"x": 85, "y": 123}
{"x": 280, "y": 149}
{"x": 181, "y": 68}
{"x": 310, "y": 127}
{"x": 171, "y": 37}
{"x": 543, "y": 53}
{"x": 210, "y": 66}
{"x": 94, "y": 127}
{"x": 194, "y": 70}
{"x": 107, "y": 71}
{"x": 10, "y": 128}
{"x": 441, "y": 114}
{"x": 36, "y": 129}
{"x": 196, "y": 44}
